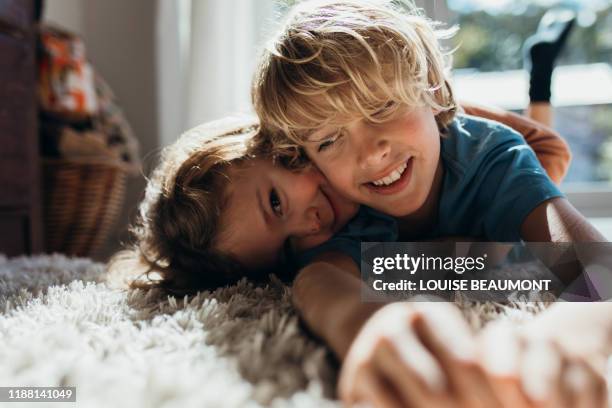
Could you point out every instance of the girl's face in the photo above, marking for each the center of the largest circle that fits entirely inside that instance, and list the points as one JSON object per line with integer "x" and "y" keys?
{"x": 270, "y": 208}
{"x": 388, "y": 166}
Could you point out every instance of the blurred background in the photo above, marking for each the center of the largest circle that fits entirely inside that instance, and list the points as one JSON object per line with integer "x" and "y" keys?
{"x": 176, "y": 63}
{"x": 489, "y": 58}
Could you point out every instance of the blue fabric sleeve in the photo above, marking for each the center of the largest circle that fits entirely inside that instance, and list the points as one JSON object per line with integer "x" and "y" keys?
{"x": 514, "y": 185}
{"x": 492, "y": 181}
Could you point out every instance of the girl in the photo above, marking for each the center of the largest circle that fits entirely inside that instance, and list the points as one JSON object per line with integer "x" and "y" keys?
{"x": 212, "y": 185}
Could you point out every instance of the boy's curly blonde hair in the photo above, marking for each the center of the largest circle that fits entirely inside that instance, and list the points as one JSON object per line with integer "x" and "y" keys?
{"x": 337, "y": 60}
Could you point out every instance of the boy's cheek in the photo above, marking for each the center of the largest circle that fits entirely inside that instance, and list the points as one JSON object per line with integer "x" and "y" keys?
{"x": 342, "y": 183}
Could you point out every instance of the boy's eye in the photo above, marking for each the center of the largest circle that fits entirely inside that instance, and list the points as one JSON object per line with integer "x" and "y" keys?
{"x": 385, "y": 110}
{"x": 275, "y": 203}
{"x": 327, "y": 143}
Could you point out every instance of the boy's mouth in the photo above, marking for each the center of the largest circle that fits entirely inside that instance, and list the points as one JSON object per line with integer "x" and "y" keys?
{"x": 395, "y": 181}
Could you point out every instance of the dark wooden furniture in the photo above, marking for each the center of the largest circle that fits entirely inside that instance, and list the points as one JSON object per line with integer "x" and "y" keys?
{"x": 20, "y": 192}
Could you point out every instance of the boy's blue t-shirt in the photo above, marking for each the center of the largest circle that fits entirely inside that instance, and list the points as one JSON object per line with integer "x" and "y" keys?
{"x": 492, "y": 181}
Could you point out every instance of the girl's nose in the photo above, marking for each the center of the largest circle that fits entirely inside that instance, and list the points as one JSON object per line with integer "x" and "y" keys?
{"x": 305, "y": 196}
{"x": 309, "y": 223}
{"x": 313, "y": 220}
{"x": 304, "y": 190}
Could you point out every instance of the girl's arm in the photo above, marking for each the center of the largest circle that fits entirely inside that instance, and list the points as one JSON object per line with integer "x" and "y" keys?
{"x": 552, "y": 151}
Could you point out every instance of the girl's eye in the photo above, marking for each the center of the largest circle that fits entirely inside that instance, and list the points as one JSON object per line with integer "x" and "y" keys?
{"x": 327, "y": 143}
{"x": 275, "y": 203}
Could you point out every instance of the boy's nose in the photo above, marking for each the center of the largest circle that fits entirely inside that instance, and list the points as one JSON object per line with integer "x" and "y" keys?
{"x": 374, "y": 152}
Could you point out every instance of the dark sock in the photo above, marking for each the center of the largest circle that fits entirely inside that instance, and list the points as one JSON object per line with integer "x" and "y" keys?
{"x": 540, "y": 75}
{"x": 540, "y": 52}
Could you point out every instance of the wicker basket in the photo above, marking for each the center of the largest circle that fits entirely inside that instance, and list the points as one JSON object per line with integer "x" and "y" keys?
{"x": 82, "y": 201}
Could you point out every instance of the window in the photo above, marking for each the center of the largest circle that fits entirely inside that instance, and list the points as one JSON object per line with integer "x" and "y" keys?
{"x": 489, "y": 58}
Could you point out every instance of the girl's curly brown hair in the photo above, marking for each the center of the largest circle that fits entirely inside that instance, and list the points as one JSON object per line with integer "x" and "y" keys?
{"x": 178, "y": 219}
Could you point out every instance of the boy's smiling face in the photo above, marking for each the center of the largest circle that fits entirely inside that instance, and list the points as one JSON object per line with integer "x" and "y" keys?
{"x": 388, "y": 166}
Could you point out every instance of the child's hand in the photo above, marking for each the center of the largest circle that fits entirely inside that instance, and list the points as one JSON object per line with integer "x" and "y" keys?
{"x": 415, "y": 355}
{"x": 530, "y": 371}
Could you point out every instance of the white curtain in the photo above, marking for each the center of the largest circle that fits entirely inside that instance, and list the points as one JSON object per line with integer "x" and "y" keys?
{"x": 207, "y": 50}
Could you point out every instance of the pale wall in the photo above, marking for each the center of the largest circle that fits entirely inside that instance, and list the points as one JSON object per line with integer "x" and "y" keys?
{"x": 120, "y": 40}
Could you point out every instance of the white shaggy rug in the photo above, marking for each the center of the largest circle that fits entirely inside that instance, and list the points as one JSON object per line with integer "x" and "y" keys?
{"x": 61, "y": 324}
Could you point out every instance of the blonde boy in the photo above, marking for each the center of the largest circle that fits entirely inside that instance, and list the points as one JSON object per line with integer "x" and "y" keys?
{"x": 361, "y": 89}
